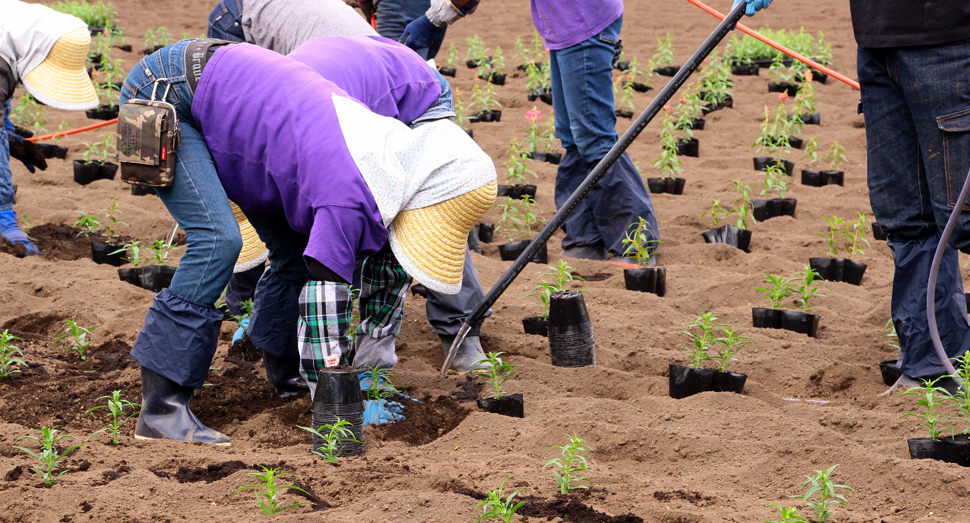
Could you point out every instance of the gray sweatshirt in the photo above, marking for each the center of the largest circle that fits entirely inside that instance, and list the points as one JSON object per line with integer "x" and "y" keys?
{"x": 283, "y": 25}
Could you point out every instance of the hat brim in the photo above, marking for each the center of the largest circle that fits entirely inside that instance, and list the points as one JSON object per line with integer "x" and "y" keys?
{"x": 254, "y": 251}
{"x": 61, "y": 81}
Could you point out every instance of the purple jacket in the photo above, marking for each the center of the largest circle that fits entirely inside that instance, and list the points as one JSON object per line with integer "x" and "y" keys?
{"x": 565, "y": 23}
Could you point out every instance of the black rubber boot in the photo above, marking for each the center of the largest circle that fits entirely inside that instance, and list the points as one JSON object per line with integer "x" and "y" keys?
{"x": 284, "y": 375}
{"x": 165, "y": 413}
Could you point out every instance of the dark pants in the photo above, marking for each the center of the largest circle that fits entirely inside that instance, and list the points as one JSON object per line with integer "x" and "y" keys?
{"x": 917, "y": 112}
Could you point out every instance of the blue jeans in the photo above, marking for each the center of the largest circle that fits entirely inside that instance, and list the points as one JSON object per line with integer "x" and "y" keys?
{"x": 225, "y": 21}
{"x": 196, "y": 198}
{"x": 6, "y": 176}
{"x": 393, "y": 16}
{"x": 918, "y": 147}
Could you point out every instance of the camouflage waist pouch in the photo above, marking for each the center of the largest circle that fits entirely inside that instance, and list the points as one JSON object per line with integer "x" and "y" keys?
{"x": 148, "y": 135}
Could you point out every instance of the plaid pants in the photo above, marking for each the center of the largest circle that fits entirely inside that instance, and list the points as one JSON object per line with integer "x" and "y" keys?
{"x": 325, "y": 313}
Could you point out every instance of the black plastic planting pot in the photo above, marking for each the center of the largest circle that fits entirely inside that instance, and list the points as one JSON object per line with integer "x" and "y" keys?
{"x": 767, "y": 209}
{"x": 511, "y": 252}
{"x": 517, "y": 192}
{"x": 623, "y": 65}
{"x": 728, "y": 102}
{"x": 511, "y": 405}
{"x": 727, "y": 381}
{"x": 151, "y": 50}
{"x": 101, "y": 252}
{"x": 536, "y": 325}
{"x": 53, "y": 151}
{"x": 761, "y": 164}
{"x": 472, "y": 64}
{"x": 485, "y": 232}
{"x": 766, "y": 318}
{"x": 486, "y": 116}
{"x": 839, "y": 269}
{"x": 648, "y": 279}
{"x": 949, "y": 450}
{"x": 666, "y": 185}
{"x": 800, "y": 322}
{"x": 154, "y": 278}
{"x": 822, "y": 178}
{"x": 685, "y": 381}
{"x": 103, "y": 112}
{"x": 783, "y": 87}
{"x": 729, "y": 235}
{"x": 87, "y": 172}
{"x": 745, "y": 70}
{"x": 338, "y": 397}
{"x": 688, "y": 147}
{"x": 879, "y": 232}
{"x": 638, "y": 86}
{"x": 667, "y": 71}
{"x": 143, "y": 190}
{"x": 811, "y": 118}
{"x": 448, "y": 71}
{"x": 544, "y": 94}
{"x": 623, "y": 113}
{"x": 525, "y": 67}
{"x": 890, "y": 372}
{"x": 495, "y": 78}
{"x": 570, "y": 331}
{"x": 553, "y": 158}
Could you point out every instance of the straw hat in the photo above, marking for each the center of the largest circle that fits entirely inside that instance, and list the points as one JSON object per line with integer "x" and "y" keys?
{"x": 254, "y": 251}
{"x": 430, "y": 242}
{"x": 61, "y": 81}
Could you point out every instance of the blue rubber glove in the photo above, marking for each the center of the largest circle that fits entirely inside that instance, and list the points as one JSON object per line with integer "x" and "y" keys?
{"x": 422, "y": 34}
{"x": 243, "y": 325}
{"x": 8, "y": 125}
{"x": 379, "y": 412}
{"x": 753, "y": 5}
{"x": 11, "y": 234}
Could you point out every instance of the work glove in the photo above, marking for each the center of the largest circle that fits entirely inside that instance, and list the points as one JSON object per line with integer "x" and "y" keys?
{"x": 423, "y": 34}
{"x": 27, "y": 152}
{"x": 379, "y": 412}
{"x": 11, "y": 234}
{"x": 243, "y": 325}
{"x": 753, "y": 5}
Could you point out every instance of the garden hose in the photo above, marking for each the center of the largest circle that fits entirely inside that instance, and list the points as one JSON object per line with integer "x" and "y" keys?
{"x": 727, "y": 24}
{"x": 934, "y": 271}
{"x": 808, "y": 61}
{"x": 73, "y": 131}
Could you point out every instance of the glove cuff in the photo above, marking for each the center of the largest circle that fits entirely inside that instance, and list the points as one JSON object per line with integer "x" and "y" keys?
{"x": 442, "y": 13}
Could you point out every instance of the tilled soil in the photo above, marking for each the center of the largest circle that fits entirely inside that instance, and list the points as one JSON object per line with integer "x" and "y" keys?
{"x": 713, "y": 457}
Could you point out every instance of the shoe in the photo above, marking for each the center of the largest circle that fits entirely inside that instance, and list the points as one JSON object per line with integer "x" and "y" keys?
{"x": 468, "y": 356}
{"x": 586, "y": 252}
{"x": 165, "y": 413}
{"x": 283, "y": 373}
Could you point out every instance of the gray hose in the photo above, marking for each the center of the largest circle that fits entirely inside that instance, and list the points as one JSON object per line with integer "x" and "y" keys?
{"x": 934, "y": 271}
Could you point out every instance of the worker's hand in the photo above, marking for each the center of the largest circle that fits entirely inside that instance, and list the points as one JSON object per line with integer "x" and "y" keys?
{"x": 27, "y": 152}
{"x": 243, "y": 325}
{"x": 379, "y": 412}
{"x": 753, "y": 5}
{"x": 12, "y": 235}
{"x": 423, "y": 34}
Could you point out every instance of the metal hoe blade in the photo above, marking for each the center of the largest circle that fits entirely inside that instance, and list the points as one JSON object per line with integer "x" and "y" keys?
{"x": 664, "y": 96}
{"x": 170, "y": 237}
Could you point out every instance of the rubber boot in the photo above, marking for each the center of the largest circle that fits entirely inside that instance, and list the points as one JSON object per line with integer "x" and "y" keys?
{"x": 468, "y": 356}
{"x": 283, "y": 373}
{"x": 165, "y": 413}
{"x": 587, "y": 252}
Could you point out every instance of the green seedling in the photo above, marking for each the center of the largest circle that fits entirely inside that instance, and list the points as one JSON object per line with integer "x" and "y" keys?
{"x": 28, "y": 113}
{"x": 452, "y": 58}
{"x": 804, "y": 285}
{"x": 637, "y": 245}
{"x": 856, "y": 236}
{"x": 665, "y": 52}
{"x": 780, "y": 289}
{"x": 246, "y": 308}
{"x": 156, "y": 38}
{"x": 743, "y": 201}
{"x": 889, "y": 332}
{"x": 788, "y": 515}
{"x": 476, "y": 50}
{"x": 836, "y": 156}
{"x": 497, "y": 372}
{"x": 518, "y": 168}
{"x": 962, "y": 398}
{"x": 703, "y": 342}
{"x": 931, "y": 398}
{"x": 9, "y": 355}
{"x": 333, "y": 436}
{"x": 518, "y": 217}
{"x": 668, "y": 163}
{"x": 460, "y": 118}
{"x": 100, "y": 151}
{"x": 97, "y": 13}
{"x": 78, "y": 335}
{"x": 494, "y": 508}
{"x": 715, "y": 211}
{"x": 116, "y": 409}
{"x": 49, "y": 456}
{"x": 728, "y": 345}
{"x": 354, "y": 322}
{"x": 551, "y": 282}
{"x": 87, "y": 224}
{"x": 836, "y": 232}
{"x": 775, "y": 181}
{"x": 811, "y": 149}
{"x": 23, "y": 221}
{"x": 134, "y": 253}
{"x": 383, "y": 386}
{"x": 572, "y": 463}
{"x": 159, "y": 251}
{"x": 269, "y": 490}
{"x": 805, "y": 99}
{"x": 823, "y": 494}
{"x": 111, "y": 221}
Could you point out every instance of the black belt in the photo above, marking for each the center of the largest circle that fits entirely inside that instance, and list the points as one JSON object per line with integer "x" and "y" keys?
{"x": 197, "y": 54}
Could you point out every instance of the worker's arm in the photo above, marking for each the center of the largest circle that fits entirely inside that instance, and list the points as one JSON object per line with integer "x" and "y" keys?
{"x": 428, "y": 31}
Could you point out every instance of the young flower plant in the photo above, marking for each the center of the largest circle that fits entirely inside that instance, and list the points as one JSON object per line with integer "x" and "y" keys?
{"x": 9, "y": 355}
{"x": 495, "y": 508}
{"x": 572, "y": 463}
{"x": 334, "y": 436}
{"x": 49, "y": 456}
{"x": 823, "y": 494}
{"x": 805, "y": 286}
{"x": 779, "y": 289}
{"x": 702, "y": 343}
{"x": 269, "y": 490}
{"x": 116, "y": 408}
{"x": 638, "y": 244}
{"x": 551, "y": 282}
{"x": 932, "y": 399}
{"x": 77, "y": 337}
{"x": 496, "y": 371}
{"x": 381, "y": 386}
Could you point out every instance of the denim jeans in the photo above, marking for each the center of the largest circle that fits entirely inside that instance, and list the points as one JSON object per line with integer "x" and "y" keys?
{"x": 225, "y": 21}
{"x": 393, "y": 16}
{"x": 443, "y": 108}
{"x": 6, "y": 175}
{"x": 918, "y": 148}
{"x": 196, "y": 198}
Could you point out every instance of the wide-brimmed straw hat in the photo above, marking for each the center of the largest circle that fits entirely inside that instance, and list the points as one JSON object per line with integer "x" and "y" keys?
{"x": 430, "y": 242}
{"x": 254, "y": 251}
{"x": 61, "y": 80}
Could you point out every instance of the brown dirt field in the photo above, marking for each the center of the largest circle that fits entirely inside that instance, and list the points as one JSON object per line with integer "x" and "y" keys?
{"x": 714, "y": 457}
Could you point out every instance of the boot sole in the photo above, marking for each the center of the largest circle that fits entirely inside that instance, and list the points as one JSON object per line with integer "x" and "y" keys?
{"x": 146, "y": 438}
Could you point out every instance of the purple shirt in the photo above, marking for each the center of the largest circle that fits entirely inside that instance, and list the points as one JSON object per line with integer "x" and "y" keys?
{"x": 565, "y": 23}
{"x": 273, "y": 132}
{"x": 387, "y": 77}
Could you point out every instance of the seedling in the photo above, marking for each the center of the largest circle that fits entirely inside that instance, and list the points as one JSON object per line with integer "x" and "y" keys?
{"x": 743, "y": 201}
{"x": 460, "y": 118}
{"x": 788, "y": 515}
{"x": 99, "y": 151}
{"x": 532, "y": 141}
{"x": 111, "y": 221}
{"x": 889, "y": 332}
{"x": 551, "y": 282}
{"x": 452, "y": 58}
{"x": 246, "y": 308}
{"x": 156, "y": 38}
{"x": 805, "y": 99}
{"x": 497, "y": 372}
{"x": 637, "y": 243}
{"x": 518, "y": 217}
{"x": 779, "y": 290}
{"x": 476, "y": 51}
{"x": 826, "y": 492}
{"x": 804, "y": 285}
{"x": 494, "y": 66}
{"x": 623, "y": 95}
{"x": 775, "y": 181}
{"x": 518, "y": 168}
{"x": 664, "y": 56}
{"x": 729, "y": 345}
{"x": 49, "y": 457}
{"x": 269, "y": 490}
{"x": 78, "y": 336}
{"x": 962, "y": 398}
{"x": 572, "y": 463}
{"x": 494, "y": 508}
{"x": 836, "y": 232}
{"x": 773, "y": 137}
{"x": 669, "y": 162}
{"x": 811, "y": 150}
{"x": 134, "y": 250}
{"x": 87, "y": 224}
{"x": 715, "y": 211}
{"x": 333, "y": 436}
{"x": 97, "y": 14}
{"x": 931, "y": 398}
{"x": 382, "y": 387}
{"x": 116, "y": 407}
{"x": 857, "y": 236}
{"x": 839, "y": 230}
{"x": 702, "y": 343}
{"x": 159, "y": 249}
{"x": 28, "y": 114}
{"x": 483, "y": 99}
{"x": 836, "y": 156}
{"x": 8, "y": 355}
{"x": 23, "y": 221}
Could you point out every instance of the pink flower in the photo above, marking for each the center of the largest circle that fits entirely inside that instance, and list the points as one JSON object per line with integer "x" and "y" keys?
{"x": 683, "y": 100}
{"x": 782, "y": 97}
{"x": 808, "y": 76}
{"x": 533, "y": 114}
{"x": 106, "y": 32}
{"x": 667, "y": 107}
